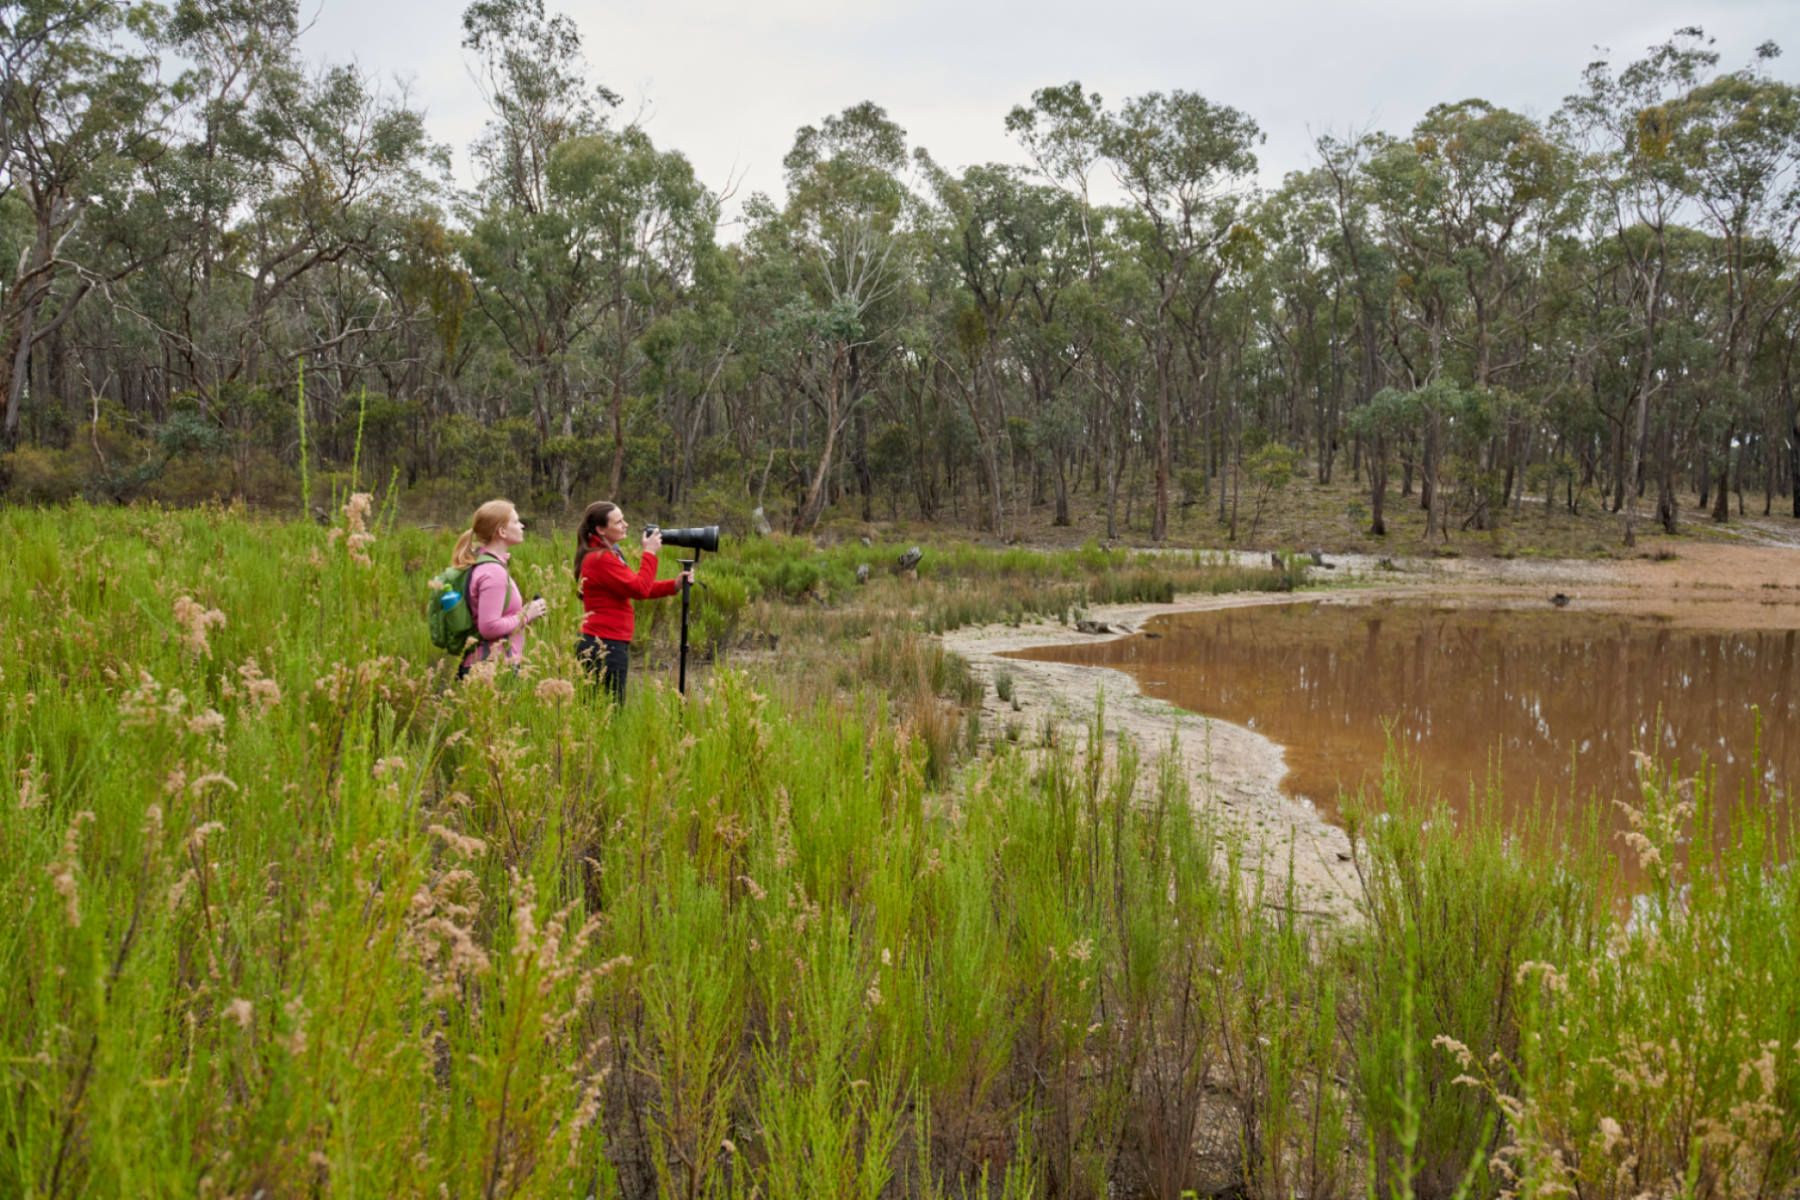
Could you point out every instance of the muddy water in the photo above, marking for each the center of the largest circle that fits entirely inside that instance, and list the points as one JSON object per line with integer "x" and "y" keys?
{"x": 1559, "y": 699}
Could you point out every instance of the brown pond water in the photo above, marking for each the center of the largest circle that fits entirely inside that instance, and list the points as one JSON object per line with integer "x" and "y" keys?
{"x": 1560, "y": 699}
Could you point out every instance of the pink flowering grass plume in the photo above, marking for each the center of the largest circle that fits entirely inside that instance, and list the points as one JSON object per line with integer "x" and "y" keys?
{"x": 31, "y": 784}
{"x": 195, "y": 619}
{"x": 62, "y": 871}
{"x": 359, "y": 539}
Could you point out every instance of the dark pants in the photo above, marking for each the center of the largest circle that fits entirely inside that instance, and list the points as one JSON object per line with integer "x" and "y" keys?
{"x": 606, "y": 663}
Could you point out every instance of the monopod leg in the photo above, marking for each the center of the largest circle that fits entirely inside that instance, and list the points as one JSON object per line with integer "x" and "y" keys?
{"x": 686, "y": 565}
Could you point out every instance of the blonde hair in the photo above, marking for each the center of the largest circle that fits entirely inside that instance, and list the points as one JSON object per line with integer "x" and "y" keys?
{"x": 482, "y": 529}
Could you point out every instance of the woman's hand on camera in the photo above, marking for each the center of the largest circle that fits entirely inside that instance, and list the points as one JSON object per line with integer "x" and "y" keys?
{"x": 653, "y": 542}
{"x": 536, "y": 609}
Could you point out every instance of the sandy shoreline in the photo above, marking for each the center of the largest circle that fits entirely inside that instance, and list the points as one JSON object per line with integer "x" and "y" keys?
{"x": 1754, "y": 585}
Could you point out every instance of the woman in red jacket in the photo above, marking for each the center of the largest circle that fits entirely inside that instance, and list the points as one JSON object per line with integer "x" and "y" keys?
{"x": 608, "y": 586}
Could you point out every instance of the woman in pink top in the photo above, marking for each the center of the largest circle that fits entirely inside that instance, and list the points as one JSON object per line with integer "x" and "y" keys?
{"x": 499, "y": 608}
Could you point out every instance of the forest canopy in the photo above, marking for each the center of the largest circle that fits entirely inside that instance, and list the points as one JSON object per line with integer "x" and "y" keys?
{"x": 222, "y": 268}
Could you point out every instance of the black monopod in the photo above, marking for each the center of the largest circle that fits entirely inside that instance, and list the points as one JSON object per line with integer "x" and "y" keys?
{"x": 700, "y": 537}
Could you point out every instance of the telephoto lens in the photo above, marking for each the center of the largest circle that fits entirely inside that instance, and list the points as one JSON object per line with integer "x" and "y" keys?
{"x": 700, "y": 537}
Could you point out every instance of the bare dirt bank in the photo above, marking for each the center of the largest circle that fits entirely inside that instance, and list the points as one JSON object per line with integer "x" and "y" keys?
{"x": 1711, "y": 585}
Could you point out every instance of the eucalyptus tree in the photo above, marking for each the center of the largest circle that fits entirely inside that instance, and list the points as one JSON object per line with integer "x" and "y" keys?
{"x": 1737, "y": 139}
{"x": 1181, "y": 159}
{"x": 1507, "y": 195}
{"x": 550, "y": 209}
{"x": 335, "y": 162}
{"x": 1014, "y": 249}
{"x": 79, "y": 107}
{"x": 648, "y": 223}
{"x": 1626, "y": 125}
{"x": 1063, "y": 132}
{"x": 693, "y": 342}
{"x": 1311, "y": 310}
{"x": 846, "y": 226}
{"x": 1428, "y": 288}
{"x": 1359, "y": 262}
{"x": 1466, "y": 202}
{"x": 420, "y": 274}
{"x": 1100, "y": 316}
{"x": 243, "y": 69}
{"x": 1498, "y": 188}
{"x": 1389, "y": 416}
{"x": 1050, "y": 244}
{"x": 617, "y": 235}
{"x": 533, "y": 76}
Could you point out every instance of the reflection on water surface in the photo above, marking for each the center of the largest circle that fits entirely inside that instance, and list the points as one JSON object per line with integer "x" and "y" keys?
{"x": 1560, "y": 695}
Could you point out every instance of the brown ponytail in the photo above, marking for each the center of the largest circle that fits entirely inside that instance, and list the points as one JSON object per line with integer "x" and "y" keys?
{"x": 483, "y": 528}
{"x": 592, "y": 521}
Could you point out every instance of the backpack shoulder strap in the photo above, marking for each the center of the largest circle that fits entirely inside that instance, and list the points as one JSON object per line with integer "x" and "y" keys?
{"x": 481, "y": 560}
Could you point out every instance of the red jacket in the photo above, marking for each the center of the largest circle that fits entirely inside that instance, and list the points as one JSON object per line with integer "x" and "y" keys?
{"x": 608, "y": 587}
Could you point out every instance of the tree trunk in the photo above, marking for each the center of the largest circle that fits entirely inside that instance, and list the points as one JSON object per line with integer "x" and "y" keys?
{"x": 859, "y": 459}
{"x": 1378, "y": 482}
{"x": 1159, "y": 519}
{"x": 1428, "y": 468}
{"x": 1112, "y": 485}
{"x": 814, "y": 506}
{"x": 1794, "y": 457}
{"x": 1062, "y": 490}
{"x": 1634, "y": 464}
{"x": 616, "y": 479}
{"x": 1430, "y": 494}
{"x": 15, "y": 359}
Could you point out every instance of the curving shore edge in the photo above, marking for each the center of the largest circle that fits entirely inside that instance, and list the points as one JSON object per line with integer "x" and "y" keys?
{"x": 1754, "y": 584}
{"x": 1234, "y": 770}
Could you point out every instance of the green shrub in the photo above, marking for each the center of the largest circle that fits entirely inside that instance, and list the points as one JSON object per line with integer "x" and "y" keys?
{"x": 1454, "y": 910}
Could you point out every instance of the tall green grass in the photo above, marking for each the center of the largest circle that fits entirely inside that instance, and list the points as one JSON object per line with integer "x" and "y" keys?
{"x": 292, "y": 915}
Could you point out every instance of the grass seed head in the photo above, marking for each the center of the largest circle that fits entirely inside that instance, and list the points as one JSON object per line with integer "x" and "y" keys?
{"x": 195, "y": 620}
{"x": 555, "y": 691}
{"x": 31, "y": 784}
{"x": 62, "y": 872}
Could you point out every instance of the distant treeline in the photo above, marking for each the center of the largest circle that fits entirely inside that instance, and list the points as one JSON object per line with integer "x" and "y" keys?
{"x": 223, "y": 267}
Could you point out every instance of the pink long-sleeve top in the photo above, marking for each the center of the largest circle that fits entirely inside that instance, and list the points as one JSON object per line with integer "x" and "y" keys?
{"x": 498, "y": 607}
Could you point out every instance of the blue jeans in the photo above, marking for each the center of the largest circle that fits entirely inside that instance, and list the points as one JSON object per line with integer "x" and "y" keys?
{"x": 606, "y": 663}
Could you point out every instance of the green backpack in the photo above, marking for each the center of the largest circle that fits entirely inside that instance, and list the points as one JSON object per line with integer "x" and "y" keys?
{"x": 453, "y": 627}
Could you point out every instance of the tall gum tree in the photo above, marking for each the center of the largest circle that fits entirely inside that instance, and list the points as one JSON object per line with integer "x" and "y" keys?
{"x": 1063, "y": 132}
{"x": 538, "y": 277}
{"x": 1007, "y": 240}
{"x": 79, "y": 105}
{"x": 1625, "y": 125}
{"x": 1181, "y": 159}
{"x": 846, "y": 225}
{"x": 1737, "y": 137}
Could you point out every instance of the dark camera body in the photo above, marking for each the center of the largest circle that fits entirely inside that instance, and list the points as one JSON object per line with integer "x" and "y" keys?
{"x": 700, "y": 537}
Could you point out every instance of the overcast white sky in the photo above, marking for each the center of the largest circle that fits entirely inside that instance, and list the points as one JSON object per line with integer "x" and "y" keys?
{"x": 728, "y": 83}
